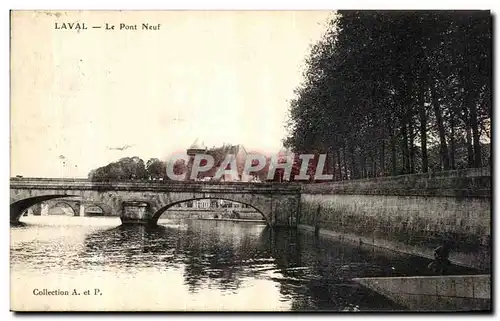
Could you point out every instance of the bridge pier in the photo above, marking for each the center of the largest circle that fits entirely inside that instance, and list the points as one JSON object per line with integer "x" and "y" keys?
{"x": 44, "y": 210}
{"x": 81, "y": 210}
{"x": 136, "y": 212}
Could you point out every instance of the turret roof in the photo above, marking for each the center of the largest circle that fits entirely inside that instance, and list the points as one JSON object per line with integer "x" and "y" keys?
{"x": 196, "y": 145}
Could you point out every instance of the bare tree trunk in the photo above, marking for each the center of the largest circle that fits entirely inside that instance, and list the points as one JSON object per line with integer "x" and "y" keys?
{"x": 339, "y": 165}
{"x": 470, "y": 151}
{"x": 332, "y": 164}
{"x": 468, "y": 136}
{"x": 423, "y": 131}
{"x": 346, "y": 173}
{"x": 452, "y": 140}
{"x": 412, "y": 146}
{"x": 374, "y": 167}
{"x": 393, "y": 151}
{"x": 363, "y": 167}
{"x": 404, "y": 149}
{"x": 439, "y": 119}
{"x": 382, "y": 159}
{"x": 423, "y": 119}
{"x": 471, "y": 105}
{"x": 354, "y": 172}
{"x": 475, "y": 134}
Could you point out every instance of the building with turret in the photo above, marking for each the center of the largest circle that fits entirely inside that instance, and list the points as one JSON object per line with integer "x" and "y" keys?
{"x": 195, "y": 148}
{"x": 237, "y": 153}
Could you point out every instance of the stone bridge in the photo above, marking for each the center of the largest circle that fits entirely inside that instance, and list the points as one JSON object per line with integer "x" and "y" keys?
{"x": 144, "y": 202}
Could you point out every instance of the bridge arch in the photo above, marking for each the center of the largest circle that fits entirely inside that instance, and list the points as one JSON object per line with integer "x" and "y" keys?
{"x": 88, "y": 207}
{"x": 107, "y": 209}
{"x": 73, "y": 205}
{"x": 158, "y": 211}
{"x": 17, "y": 208}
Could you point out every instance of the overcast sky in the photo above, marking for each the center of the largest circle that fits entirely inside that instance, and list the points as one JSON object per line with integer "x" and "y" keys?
{"x": 217, "y": 76}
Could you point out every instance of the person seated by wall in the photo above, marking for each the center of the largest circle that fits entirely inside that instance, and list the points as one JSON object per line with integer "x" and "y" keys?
{"x": 441, "y": 258}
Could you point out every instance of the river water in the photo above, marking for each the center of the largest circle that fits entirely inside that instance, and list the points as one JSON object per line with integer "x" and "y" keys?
{"x": 192, "y": 265}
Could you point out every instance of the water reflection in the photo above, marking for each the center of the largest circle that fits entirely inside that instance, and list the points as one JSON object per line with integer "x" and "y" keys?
{"x": 224, "y": 254}
{"x": 223, "y": 258}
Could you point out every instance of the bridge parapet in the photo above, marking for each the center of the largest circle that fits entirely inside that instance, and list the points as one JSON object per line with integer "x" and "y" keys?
{"x": 168, "y": 186}
{"x": 475, "y": 182}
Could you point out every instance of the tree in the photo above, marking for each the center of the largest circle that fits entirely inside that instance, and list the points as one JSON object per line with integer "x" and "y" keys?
{"x": 370, "y": 90}
{"x": 128, "y": 168}
{"x": 180, "y": 167}
{"x": 156, "y": 169}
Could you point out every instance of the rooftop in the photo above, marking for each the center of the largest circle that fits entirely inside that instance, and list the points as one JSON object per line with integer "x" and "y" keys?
{"x": 197, "y": 145}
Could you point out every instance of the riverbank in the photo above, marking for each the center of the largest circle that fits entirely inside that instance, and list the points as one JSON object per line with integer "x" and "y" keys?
{"x": 412, "y": 214}
{"x": 464, "y": 289}
{"x": 456, "y": 258}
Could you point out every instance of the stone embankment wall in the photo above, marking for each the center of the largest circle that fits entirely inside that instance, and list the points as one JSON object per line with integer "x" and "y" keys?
{"x": 410, "y": 213}
{"x": 435, "y": 293}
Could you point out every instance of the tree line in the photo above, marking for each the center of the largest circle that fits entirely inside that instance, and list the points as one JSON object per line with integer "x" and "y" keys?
{"x": 134, "y": 168}
{"x": 397, "y": 92}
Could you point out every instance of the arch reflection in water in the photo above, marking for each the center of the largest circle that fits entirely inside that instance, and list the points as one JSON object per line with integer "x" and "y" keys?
{"x": 223, "y": 252}
{"x": 222, "y": 255}
{"x": 225, "y": 261}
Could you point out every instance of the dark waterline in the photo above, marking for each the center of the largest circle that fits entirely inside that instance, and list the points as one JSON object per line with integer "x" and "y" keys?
{"x": 311, "y": 273}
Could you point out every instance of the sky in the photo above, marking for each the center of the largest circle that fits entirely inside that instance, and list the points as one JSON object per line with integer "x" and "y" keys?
{"x": 219, "y": 76}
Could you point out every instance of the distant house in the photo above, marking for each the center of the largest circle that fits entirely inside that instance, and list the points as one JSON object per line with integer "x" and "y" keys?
{"x": 210, "y": 203}
{"x": 236, "y": 152}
